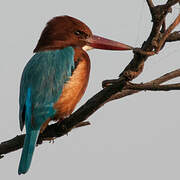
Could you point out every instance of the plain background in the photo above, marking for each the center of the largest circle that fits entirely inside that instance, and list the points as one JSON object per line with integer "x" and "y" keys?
{"x": 137, "y": 137}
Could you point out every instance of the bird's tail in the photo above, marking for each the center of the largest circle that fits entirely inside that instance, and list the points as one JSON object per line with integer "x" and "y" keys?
{"x": 28, "y": 149}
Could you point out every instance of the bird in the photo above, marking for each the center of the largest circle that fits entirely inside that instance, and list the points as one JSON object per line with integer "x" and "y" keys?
{"x": 55, "y": 78}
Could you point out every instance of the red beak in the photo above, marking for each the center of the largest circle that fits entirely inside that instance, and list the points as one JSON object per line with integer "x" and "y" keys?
{"x": 107, "y": 44}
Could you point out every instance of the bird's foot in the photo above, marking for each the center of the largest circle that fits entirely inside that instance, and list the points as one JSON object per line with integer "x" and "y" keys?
{"x": 51, "y": 140}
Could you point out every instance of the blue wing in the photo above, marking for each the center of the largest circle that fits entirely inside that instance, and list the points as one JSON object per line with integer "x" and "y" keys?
{"x": 45, "y": 74}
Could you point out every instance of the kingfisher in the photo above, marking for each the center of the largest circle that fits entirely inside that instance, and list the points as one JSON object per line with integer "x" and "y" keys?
{"x": 56, "y": 77}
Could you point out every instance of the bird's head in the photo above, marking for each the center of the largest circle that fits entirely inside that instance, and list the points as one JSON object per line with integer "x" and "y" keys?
{"x": 64, "y": 31}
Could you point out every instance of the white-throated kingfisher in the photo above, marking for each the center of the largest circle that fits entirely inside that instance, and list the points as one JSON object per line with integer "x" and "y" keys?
{"x": 55, "y": 78}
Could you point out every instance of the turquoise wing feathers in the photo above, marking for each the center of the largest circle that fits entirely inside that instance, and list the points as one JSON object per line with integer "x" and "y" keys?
{"x": 41, "y": 85}
{"x": 46, "y": 74}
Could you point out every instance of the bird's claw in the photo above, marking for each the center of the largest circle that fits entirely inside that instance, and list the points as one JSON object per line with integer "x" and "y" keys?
{"x": 52, "y": 140}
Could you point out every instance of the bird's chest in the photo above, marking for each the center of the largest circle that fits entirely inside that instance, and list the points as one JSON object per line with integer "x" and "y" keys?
{"x": 73, "y": 90}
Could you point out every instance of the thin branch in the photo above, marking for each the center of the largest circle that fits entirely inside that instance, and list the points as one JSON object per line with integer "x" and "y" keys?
{"x": 82, "y": 124}
{"x": 136, "y": 66}
{"x": 172, "y": 2}
{"x": 160, "y": 80}
{"x": 145, "y": 53}
{"x": 163, "y": 28}
{"x": 175, "y": 36}
{"x": 167, "y": 33}
{"x": 150, "y": 5}
{"x": 153, "y": 87}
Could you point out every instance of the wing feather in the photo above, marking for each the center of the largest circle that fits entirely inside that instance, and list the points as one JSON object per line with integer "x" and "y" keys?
{"x": 46, "y": 73}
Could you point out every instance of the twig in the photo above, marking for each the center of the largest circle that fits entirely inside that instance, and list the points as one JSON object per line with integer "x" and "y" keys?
{"x": 168, "y": 31}
{"x": 150, "y": 5}
{"x": 146, "y": 53}
{"x": 172, "y": 2}
{"x": 175, "y": 36}
{"x": 82, "y": 124}
{"x": 160, "y": 80}
{"x": 153, "y": 87}
{"x": 136, "y": 66}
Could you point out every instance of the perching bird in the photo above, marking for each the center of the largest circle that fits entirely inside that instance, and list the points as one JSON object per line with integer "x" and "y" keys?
{"x": 55, "y": 78}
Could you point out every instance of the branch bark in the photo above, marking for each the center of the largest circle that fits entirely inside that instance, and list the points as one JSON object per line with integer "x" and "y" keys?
{"x": 175, "y": 36}
{"x": 160, "y": 80}
{"x": 167, "y": 33}
{"x": 117, "y": 88}
{"x": 153, "y": 87}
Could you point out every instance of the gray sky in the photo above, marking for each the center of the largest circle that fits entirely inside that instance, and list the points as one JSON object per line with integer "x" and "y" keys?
{"x": 137, "y": 137}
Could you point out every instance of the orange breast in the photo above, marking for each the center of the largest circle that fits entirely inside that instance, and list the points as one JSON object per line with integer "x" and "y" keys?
{"x": 74, "y": 89}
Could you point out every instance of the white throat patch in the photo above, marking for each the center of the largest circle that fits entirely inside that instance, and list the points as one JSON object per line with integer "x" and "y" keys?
{"x": 87, "y": 48}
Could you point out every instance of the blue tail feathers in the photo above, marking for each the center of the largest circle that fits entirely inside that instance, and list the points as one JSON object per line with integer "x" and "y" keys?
{"x": 28, "y": 149}
{"x": 30, "y": 139}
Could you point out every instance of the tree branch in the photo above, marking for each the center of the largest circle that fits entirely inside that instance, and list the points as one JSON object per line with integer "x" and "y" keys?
{"x": 58, "y": 130}
{"x": 153, "y": 87}
{"x": 160, "y": 80}
{"x": 175, "y": 36}
{"x": 150, "y": 5}
{"x": 167, "y": 33}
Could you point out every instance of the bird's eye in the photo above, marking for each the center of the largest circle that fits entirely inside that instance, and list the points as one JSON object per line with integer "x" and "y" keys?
{"x": 78, "y": 33}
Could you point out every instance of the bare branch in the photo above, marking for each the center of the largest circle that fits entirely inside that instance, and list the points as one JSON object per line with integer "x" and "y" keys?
{"x": 175, "y": 36}
{"x": 153, "y": 87}
{"x": 172, "y": 2}
{"x": 160, "y": 80}
{"x": 146, "y": 53}
{"x": 11, "y": 145}
{"x": 167, "y": 33}
{"x": 150, "y": 5}
{"x": 58, "y": 130}
{"x": 163, "y": 28}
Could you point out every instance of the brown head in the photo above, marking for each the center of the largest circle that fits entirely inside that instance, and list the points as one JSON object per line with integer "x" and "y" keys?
{"x": 64, "y": 31}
